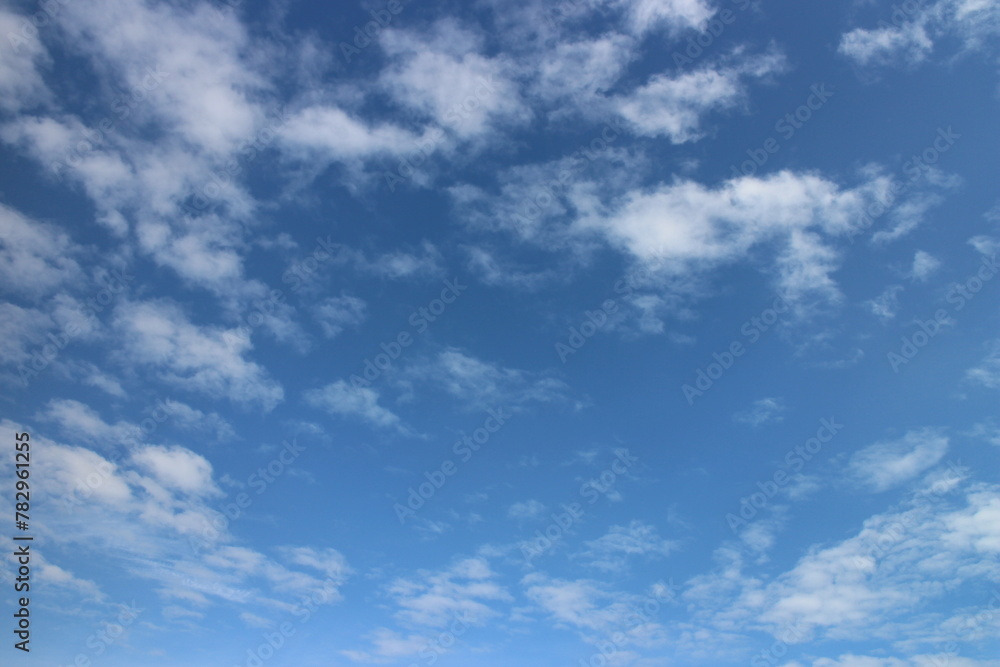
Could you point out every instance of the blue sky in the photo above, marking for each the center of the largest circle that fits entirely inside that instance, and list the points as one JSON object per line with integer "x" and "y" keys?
{"x": 622, "y": 332}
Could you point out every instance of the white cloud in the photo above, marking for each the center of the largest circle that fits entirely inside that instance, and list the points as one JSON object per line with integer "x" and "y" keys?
{"x": 918, "y": 28}
{"x": 762, "y": 411}
{"x": 21, "y": 83}
{"x": 336, "y": 313}
{"x": 331, "y": 133}
{"x": 986, "y": 245}
{"x": 907, "y": 215}
{"x": 21, "y": 329}
{"x": 674, "y": 15}
{"x": 924, "y": 264}
{"x": 760, "y": 535}
{"x": 78, "y": 419}
{"x": 649, "y": 308}
{"x": 186, "y": 79}
{"x": 578, "y": 72}
{"x": 885, "y": 305}
{"x": 398, "y": 265}
{"x": 441, "y": 74}
{"x": 341, "y": 398}
{"x": 35, "y": 257}
{"x": 864, "y": 586}
{"x": 685, "y": 227}
{"x": 976, "y": 527}
{"x": 908, "y": 43}
{"x": 78, "y": 470}
{"x": 611, "y": 551}
{"x": 252, "y": 620}
{"x": 203, "y": 251}
{"x": 60, "y": 585}
{"x": 672, "y": 106}
{"x": 189, "y": 60}
{"x": 528, "y": 509}
{"x": 192, "y": 419}
{"x": 889, "y": 463}
{"x": 387, "y": 646}
{"x": 142, "y": 509}
{"x": 987, "y": 430}
{"x": 482, "y": 384}
{"x": 462, "y": 591}
{"x": 987, "y": 373}
{"x": 492, "y": 270}
{"x": 803, "y": 486}
{"x": 178, "y": 468}
{"x": 531, "y": 199}
{"x": 567, "y": 72}
{"x": 329, "y": 562}
{"x": 209, "y": 360}
{"x": 594, "y": 610}
{"x": 91, "y": 375}
{"x": 572, "y": 602}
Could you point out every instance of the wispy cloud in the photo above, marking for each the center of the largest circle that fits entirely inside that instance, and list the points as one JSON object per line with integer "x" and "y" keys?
{"x": 889, "y": 463}
{"x": 762, "y": 411}
{"x": 343, "y": 399}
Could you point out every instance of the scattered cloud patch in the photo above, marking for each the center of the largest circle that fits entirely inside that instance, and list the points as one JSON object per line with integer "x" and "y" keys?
{"x": 887, "y": 464}
{"x": 762, "y": 411}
